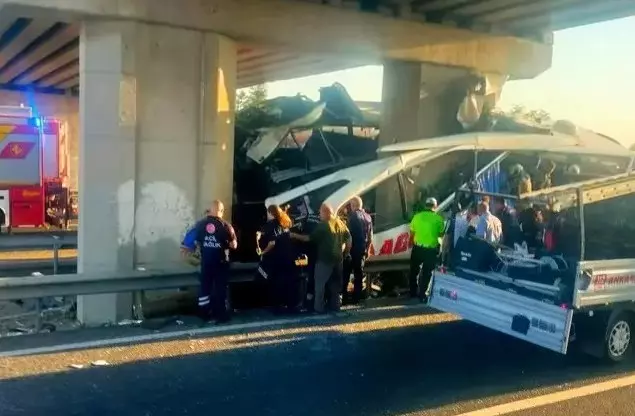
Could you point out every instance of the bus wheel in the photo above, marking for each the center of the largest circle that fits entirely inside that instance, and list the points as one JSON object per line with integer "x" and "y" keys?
{"x": 618, "y": 340}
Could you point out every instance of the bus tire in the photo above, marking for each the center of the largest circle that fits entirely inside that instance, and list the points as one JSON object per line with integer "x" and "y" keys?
{"x": 618, "y": 340}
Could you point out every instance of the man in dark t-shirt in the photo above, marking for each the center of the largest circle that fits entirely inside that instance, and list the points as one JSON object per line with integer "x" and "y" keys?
{"x": 360, "y": 226}
{"x": 532, "y": 227}
{"x": 331, "y": 239}
{"x": 509, "y": 222}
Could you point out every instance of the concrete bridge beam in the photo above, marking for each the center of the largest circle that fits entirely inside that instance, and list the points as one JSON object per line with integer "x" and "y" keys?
{"x": 323, "y": 29}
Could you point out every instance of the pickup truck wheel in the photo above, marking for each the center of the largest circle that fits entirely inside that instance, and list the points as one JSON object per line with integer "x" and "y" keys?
{"x": 618, "y": 337}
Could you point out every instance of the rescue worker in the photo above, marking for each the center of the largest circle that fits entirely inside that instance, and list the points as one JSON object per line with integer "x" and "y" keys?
{"x": 472, "y": 220}
{"x": 489, "y": 228}
{"x": 214, "y": 237}
{"x": 545, "y": 171}
{"x": 519, "y": 180}
{"x": 360, "y": 225}
{"x": 426, "y": 229}
{"x": 278, "y": 259}
{"x": 509, "y": 222}
{"x": 566, "y": 175}
{"x": 532, "y": 226}
{"x": 456, "y": 228}
{"x": 305, "y": 224}
{"x": 554, "y": 226}
{"x": 333, "y": 242}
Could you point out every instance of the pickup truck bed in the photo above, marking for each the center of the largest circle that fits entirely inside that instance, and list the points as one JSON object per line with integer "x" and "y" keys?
{"x": 546, "y": 324}
{"x": 534, "y": 312}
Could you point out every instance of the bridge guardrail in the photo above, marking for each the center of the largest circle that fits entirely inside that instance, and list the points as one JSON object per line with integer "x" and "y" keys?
{"x": 135, "y": 281}
{"x": 55, "y": 246}
{"x": 32, "y": 287}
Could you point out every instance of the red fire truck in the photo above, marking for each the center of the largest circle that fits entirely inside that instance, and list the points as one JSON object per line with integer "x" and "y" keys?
{"x": 33, "y": 168}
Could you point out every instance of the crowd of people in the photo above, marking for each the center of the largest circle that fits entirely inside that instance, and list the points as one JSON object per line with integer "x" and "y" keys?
{"x": 538, "y": 229}
{"x": 338, "y": 249}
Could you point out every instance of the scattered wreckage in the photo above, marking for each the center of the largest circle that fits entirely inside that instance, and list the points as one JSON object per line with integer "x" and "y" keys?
{"x": 290, "y": 141}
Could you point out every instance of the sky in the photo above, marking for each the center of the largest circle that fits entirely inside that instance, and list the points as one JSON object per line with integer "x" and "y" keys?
{"x": 591, "y": 81}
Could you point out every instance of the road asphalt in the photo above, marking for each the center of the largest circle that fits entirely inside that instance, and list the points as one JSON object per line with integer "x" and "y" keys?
{"x": 618, "y": 402}
{"x": 396, "y": 361}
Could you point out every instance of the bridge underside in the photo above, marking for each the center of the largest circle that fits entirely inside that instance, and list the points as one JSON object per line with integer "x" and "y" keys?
{"x": 505, "y": 36}
{"x": 43, "y": 55}
{"x": 527, "y": 19}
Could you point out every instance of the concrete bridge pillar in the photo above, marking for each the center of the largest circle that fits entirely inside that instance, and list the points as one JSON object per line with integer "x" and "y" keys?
{"x": 421, "y": 101}
{"x": 156, "y": 146}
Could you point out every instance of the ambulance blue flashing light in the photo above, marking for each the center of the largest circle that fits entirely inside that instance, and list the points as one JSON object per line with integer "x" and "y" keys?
{"x": 36, "y": 122}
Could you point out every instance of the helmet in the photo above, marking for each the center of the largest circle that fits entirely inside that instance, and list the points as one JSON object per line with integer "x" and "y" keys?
{"x": 516, "y": 169}
{"x": 431, "y": 202}
{"x": 573, "y": 170}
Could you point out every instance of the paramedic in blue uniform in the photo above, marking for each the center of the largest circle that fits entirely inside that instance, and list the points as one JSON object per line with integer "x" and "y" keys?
{"x": 278, "y": 259}
{"x": 360, "y": 226}
{"x": 214, "y": 237}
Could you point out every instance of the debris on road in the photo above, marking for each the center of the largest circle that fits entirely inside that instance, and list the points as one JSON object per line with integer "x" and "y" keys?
{"x": 128, "y": 322}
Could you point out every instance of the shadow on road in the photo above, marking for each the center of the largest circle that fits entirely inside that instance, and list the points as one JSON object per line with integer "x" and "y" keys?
{"x": 316, "y": 369}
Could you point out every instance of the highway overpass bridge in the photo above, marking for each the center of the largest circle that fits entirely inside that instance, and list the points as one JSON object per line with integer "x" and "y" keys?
{"x": 44, "y": 52}
{"x": 158, "y": 82}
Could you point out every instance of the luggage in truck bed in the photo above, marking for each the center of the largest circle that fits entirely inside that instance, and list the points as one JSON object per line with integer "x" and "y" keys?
{"x": 549, "y": 279}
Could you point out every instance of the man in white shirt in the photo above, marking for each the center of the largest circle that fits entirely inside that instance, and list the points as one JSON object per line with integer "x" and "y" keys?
{"x": 489, "y": 227}
{"x": 461, "y": 224}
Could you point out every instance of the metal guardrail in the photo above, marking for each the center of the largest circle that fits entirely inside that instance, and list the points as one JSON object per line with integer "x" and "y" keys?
{"x": 136, "y": 282}
{"x": 32, "y": 287}
{"x": 82, "y": 284}
{"x": 39, "y": 265}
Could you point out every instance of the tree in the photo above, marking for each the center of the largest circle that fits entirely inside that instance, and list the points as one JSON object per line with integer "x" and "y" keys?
{"x": 251, "y": 111}
{"x": 252, "y": 97}
{"x": 536, "y": 116}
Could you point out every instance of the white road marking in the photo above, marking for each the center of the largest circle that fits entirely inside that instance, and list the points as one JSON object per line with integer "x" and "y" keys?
{"x": 552, "y": 398}
{"x": 193, "y": 332}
